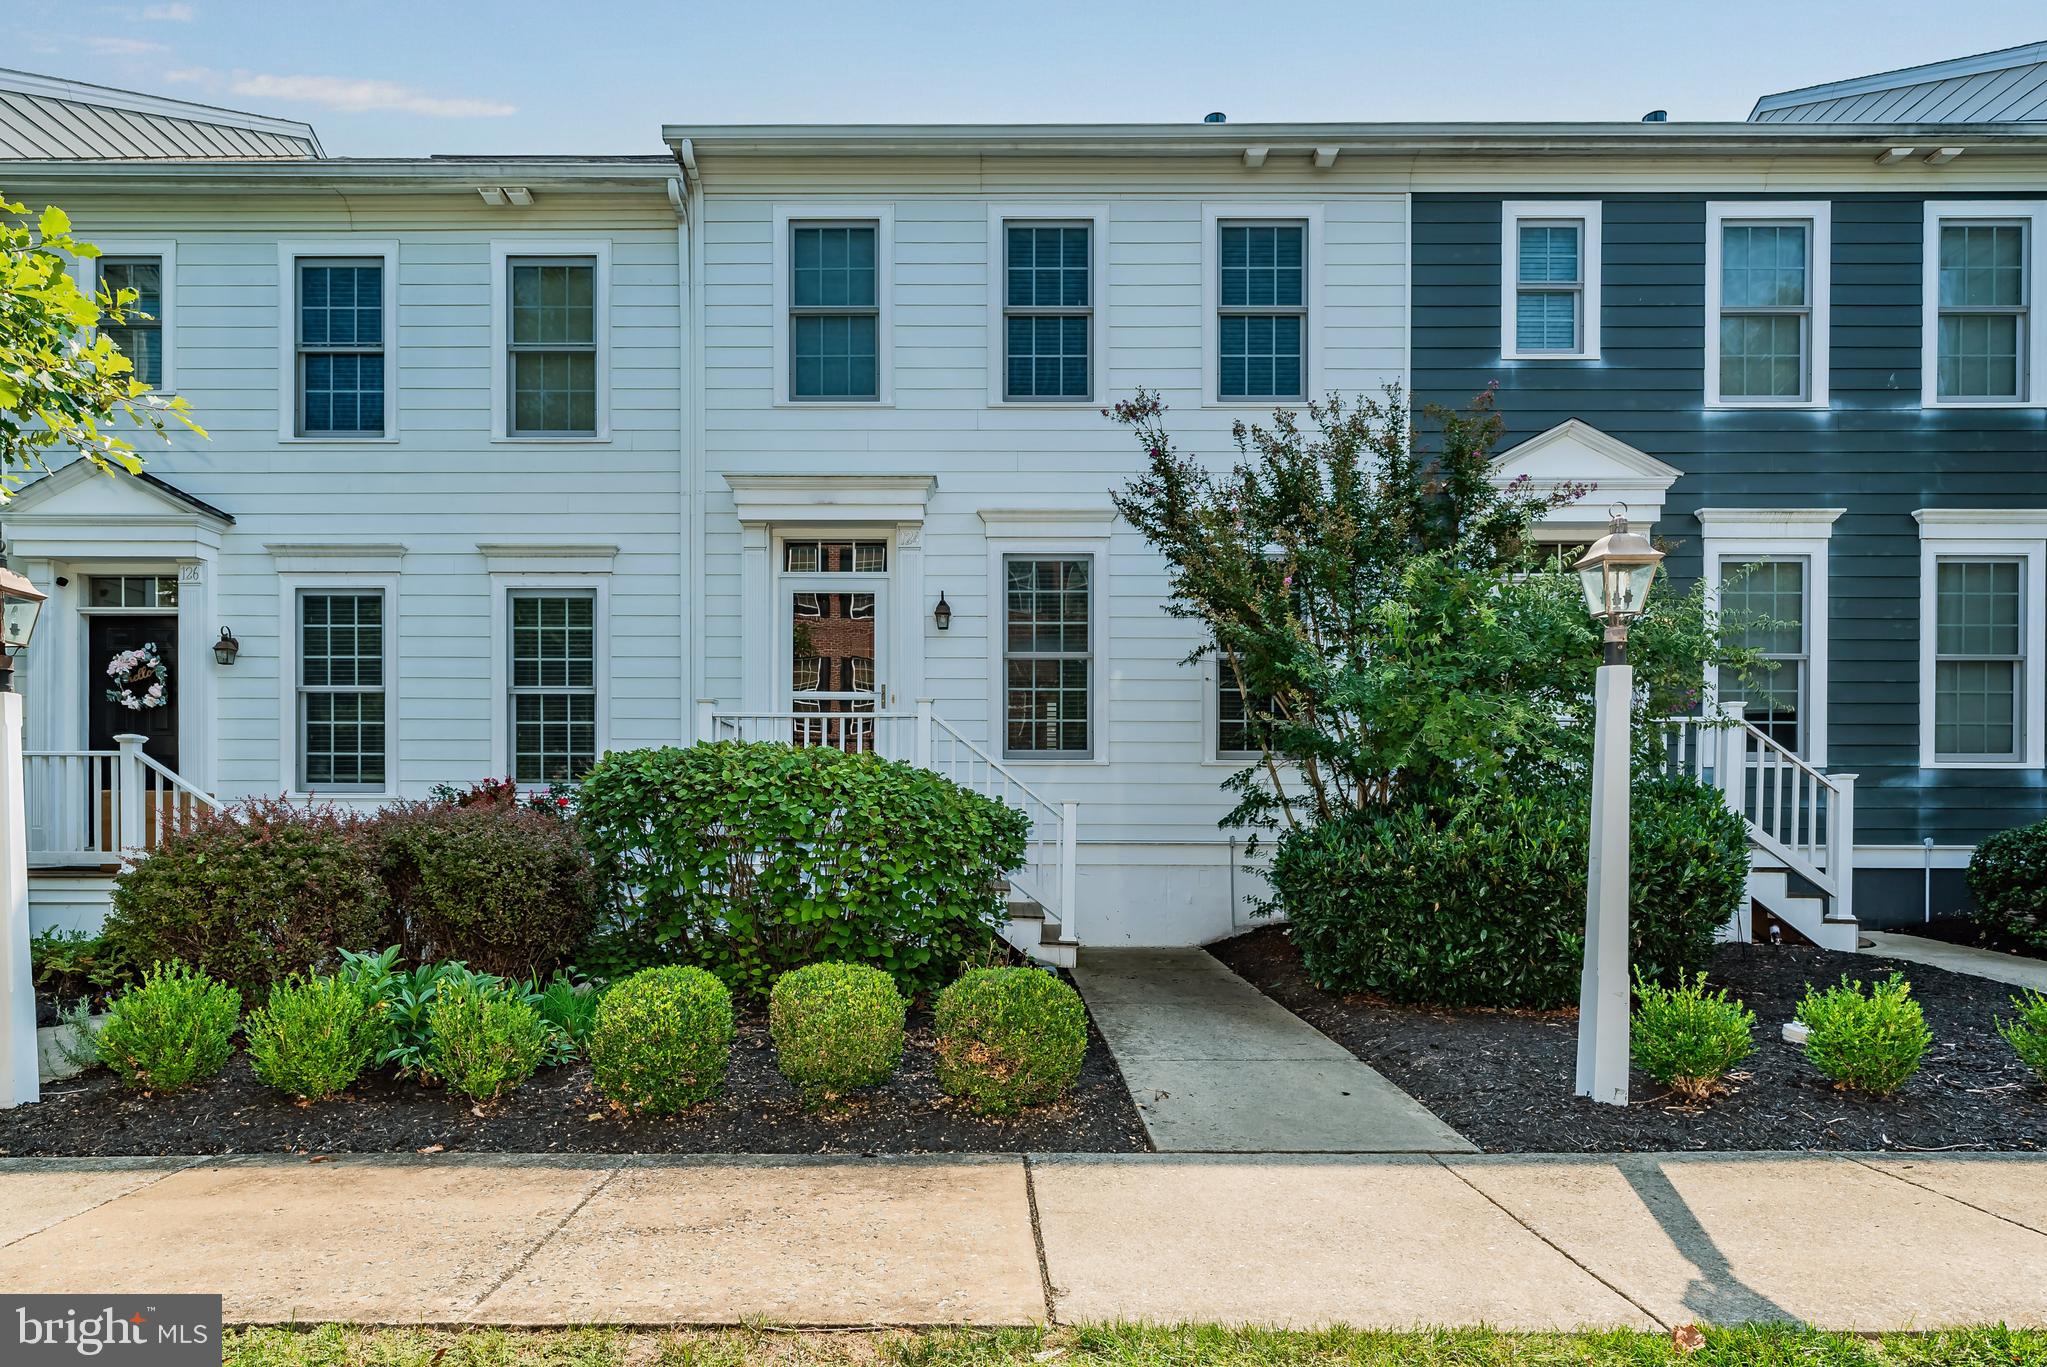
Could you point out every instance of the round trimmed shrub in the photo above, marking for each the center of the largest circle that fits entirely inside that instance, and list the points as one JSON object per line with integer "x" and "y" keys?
{"x": 1869, "y": 1041}
{"x": 176, "y": 1027}
{"x": 253, "y": 894}
{"x": 662, "y": 1040}
{"x": 2008, "y": 878}
{"x": 753, "y": 858}
{"x": 504, "y": 888}
{"x": 836, "y": 1027}
{"x": 1687, "y": 1038}
{"x": 482, "y": 1040}
{"x": 1009, "y": 1038}
{"x": 1484, "y": 905}
{"x": 315, "y": 1037}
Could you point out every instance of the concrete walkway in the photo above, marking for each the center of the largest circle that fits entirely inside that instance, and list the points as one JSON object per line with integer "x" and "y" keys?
{"x": 1396, "y": 1241}
{"x": 1982, "y": 963}
{"x": 1216, "y": 1066}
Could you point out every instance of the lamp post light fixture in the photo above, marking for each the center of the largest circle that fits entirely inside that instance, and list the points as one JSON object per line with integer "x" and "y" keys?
{"x": 20, "y": 603}
{"x": 226, "y": 648}
{"x": 1616, "y": 574}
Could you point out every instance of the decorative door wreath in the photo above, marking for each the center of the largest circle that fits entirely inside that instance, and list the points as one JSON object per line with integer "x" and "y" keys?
{"x": 140, "y": 679}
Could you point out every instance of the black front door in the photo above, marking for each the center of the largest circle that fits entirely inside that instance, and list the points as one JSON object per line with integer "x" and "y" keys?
{"x": 107, "y": 637}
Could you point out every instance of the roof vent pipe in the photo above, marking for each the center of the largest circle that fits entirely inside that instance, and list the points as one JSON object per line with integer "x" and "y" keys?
{"x": 1217, "y": 117}
{"x": 1657, "y": 116}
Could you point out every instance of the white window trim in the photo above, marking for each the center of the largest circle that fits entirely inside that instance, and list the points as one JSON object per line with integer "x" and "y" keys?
{"x": 1821, "y": 280}
{"x": 290, "y": 251}
{"x": 1739, "y": 535}
{"x": 501, "y": 252}
{"x": 346, "y": 578}
{"x": 86, "y": 273}
{"x": 502, "y": 586}
{"x": 883, "y": 216}
{"x": 1213, "y": 215}
{"x": 1097, "y": 217}
{"x": 1512, "y": 214}
{"x": 1049, "y": 535}
{"x": 2033, "y": 213}
{"x": 2007, "y": 532}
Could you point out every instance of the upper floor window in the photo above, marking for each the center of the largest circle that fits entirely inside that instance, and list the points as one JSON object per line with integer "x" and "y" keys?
{"x": 1767, "y": 279}
{"x": 1047, "y": 310}
{"x": 553, "y": 346}
{"x": 340, "y": 318}
{"x": 1982, "y": 292}
{"x": 1261, "y": 311}
{"x": 1550, "y": 257}
{"x": 834, "y": 311}
{"x": 140, "y": 336}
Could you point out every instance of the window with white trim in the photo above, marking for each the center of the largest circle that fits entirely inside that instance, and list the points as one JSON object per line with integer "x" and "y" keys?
{"x": 1261, "y": 310}
{"x": 1765, "y": 604}
{"x": 1048, "y": 655}
{"x": 552, "y": 346}
{"x": 553, "y": 678}
{"x": 834, "y": 310}
{"x": 1047, "y": 310}
{"x": 1549, "y": 272}
{"x": 1982, "y": 325}
{"x": 339, "y": 317}
{"x": 1239, "y": 725}
{"x": 342, "y": 690}
{"x": 1767, "y": 284}
{"x": 140, "y": 334}
{"x": 1979, "y": 659}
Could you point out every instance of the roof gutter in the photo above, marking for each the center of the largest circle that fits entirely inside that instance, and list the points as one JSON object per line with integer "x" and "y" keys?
{"x": 397, "y": 176}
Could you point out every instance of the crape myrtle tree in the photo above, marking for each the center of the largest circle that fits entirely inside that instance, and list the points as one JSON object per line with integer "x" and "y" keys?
{"x": 1376, "y": 598}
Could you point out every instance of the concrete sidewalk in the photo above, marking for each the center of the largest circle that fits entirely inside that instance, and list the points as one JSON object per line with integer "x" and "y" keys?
{"x": 1982, "y": 963}
{"x": 1856, "y": 1243}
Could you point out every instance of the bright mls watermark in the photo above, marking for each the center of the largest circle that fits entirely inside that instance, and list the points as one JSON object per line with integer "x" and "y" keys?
{"x": 110, "y": 1331}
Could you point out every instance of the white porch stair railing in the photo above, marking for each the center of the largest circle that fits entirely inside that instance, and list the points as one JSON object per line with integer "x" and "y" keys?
{"x": 1801, "y": 822}
{"x": 1043, "y": 914}
{"x": 91, "y": 808}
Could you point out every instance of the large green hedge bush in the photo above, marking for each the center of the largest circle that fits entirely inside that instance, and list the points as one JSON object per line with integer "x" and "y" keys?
{"x": 1485, "y": 906}
{"x": 2008, "y": 878}
{"x": 500, "y": 886}
{"x": 254, "y": 894}
{"x": 750, "y": 859}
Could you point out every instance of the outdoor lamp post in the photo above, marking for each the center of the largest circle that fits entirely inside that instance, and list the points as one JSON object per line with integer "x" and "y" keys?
{"x": 1616, "y": 573}
{"x": 20, "y": 601}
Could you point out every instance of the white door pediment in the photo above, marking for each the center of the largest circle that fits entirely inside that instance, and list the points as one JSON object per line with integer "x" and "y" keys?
{"x": 1575, "y": 452}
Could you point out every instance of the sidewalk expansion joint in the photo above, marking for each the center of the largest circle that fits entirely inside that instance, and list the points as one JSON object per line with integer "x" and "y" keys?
{"x": 165, "y": 1175}
{"x": 519, "y": 1265}
{"x": 1944, "y": 1195}
{"x": 1038, "y": 1242}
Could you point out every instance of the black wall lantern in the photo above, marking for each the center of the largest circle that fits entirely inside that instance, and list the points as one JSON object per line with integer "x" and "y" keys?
{"x": 227, "y": 647}
{"x": 942, "y": 614}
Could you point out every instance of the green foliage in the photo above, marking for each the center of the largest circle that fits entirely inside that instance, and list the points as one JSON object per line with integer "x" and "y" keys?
{"x": 2027, "y": 1035}
{"x": 663, "y": 1039}
{"x": 253, "y": 894}
{"x": 752, "y": 859}
{"x": 60, "y": 383}
{"x": 2008, "y": 878}
{"x": 71, "y": 965}
{"x": 836, "y": 1027}
{"x": 482, "y": 1040}
{"x": 570, "y": 1007}
{"x": 1009, "y": 1038}
{"x": 315, "y": 1036}
{"x": 1871, "y": 1041}
{"x": 496, "y": 884}
{"x": 175, "y": 1028}
{"x": 1485, "y": 906}
{"x": 406, "y": 998}
{"x": 1688, "y": 1038}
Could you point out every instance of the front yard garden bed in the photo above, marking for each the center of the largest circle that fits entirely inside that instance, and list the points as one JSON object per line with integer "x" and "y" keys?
{"x": 1503, "y": 1078}
{"x": 559, "y": 1112}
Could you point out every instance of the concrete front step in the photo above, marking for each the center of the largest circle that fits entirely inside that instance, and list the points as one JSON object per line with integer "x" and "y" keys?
{"x": 1807, "y": 912}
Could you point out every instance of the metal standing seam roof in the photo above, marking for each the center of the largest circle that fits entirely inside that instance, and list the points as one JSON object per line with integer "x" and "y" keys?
{"x": 2007, "y": 86}
{"x": 43, "y": 118}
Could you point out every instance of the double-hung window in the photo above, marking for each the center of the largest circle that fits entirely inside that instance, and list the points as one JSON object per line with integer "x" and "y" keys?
{"x": 1549, "y": 272}
{"x": 1979, "y": 659}
{"x": 1767, "y": 282}
{"x": 339, "y": 316}
{"x": 140, "y": 334}
{"x": 1765, "y": 602}
{"x": 343, "y": 740}
{"x": 1982, "y": 293}
{"x": 1240, "y": 727}
{"x": 553, "y": 685}
{"x": 1047, "y": 310}
{"x": 553, "y": 347}
{"x": 834, "y": 311}
{"x": 1261, "y": 310}
{"x": 1048, "y": 655}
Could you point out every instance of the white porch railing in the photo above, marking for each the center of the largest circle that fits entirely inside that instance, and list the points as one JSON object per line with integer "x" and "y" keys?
{"x": 90, "y": 808}
{"x": 1802, "y": 817}
{"x": 1050, "y": 853}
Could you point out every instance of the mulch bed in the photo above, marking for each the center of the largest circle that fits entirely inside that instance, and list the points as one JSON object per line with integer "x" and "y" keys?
{"x": 1503, "y": 1078}
{"x": 1964, "y": 930}
{"x": 559, "y": 1112}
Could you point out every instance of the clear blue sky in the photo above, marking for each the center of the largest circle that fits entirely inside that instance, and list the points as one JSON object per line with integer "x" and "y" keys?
{"x": 381, "y": 78}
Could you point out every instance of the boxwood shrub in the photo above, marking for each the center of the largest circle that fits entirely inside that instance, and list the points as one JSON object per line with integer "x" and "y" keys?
{"x": 1869, "y": 1041}
{"x": 484, "y": 1040}
{"x": 1485, "y": 905}
{"x": 836, "y": 1027}
{"x": 174, "y": 1028}
{"x": 1009, "y": 1038}
{"x": 662, "y": 1041}
{"x": 750, "y": 859}
{"x": 2008, "y": 878}
{"x": 314, "y": 1038}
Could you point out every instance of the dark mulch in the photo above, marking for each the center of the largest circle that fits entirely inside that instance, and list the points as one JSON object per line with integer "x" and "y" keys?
{"x": 1503, "y": 1078}
{"x": 559, "y": 1112}
{"x": 1965, "y": 930}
